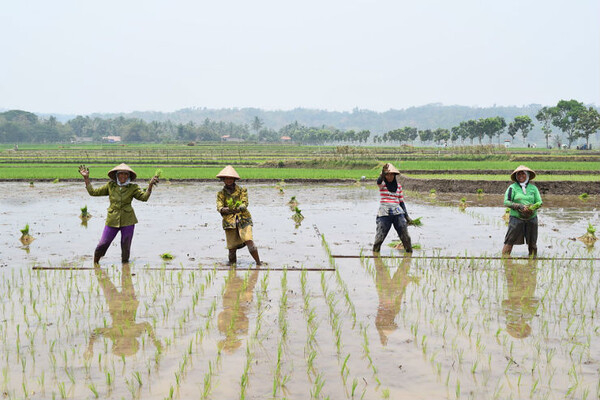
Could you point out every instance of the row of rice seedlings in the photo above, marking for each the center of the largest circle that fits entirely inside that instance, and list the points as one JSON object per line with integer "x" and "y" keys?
{"x": 281, "y": 378}
{"x": 466, "y": 328}
{"x": 311, "y": 349}
{"x": 89, "y": 304}
{"x": 254, "y": 339}
{"x": 179, "y": 330}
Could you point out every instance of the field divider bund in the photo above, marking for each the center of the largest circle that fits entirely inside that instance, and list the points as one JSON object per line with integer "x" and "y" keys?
{"x": 39, "y": 268}
{"x": 475, "y": 257}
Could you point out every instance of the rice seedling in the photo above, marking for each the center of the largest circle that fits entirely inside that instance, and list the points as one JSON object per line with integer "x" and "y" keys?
{"x": 85, "y": 216}
{"x": 167, "y": 256}
{"x": 416, "y": 222}
{"x": 26, "y": 239}
{"x": 584, "y": 196}
{"x": 462, "y": 205}
{"x": 293, "y": 203}
{"x": 589, "y": 238}
{"x": 297, "y": 216}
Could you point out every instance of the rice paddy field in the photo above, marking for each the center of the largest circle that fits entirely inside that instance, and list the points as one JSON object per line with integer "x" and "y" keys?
{"x": 288, "y": 161}
{"x": 323, "y": 317}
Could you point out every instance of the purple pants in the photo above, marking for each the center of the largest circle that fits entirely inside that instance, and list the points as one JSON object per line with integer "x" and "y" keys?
{"x": 108, "y": 235}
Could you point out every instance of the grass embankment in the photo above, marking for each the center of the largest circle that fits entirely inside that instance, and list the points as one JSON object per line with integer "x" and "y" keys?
{"x": 180, "y": 172}
{"x": 484, "y": 177}
{"x": 277, "y": 161}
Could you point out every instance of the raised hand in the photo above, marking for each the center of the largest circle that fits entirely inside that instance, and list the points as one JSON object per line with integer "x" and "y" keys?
{"x": 84, "y": 171}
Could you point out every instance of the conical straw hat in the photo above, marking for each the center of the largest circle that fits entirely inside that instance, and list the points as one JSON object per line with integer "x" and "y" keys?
{"x": 112, "y": 174}
{"x": 513, "y": 176}
{"x": 228, "y": 172}
{"x": 392, "y": 170}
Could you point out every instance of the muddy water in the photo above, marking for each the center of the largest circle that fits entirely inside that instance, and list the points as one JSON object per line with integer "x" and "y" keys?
{"x": 400, "y": 328}
{"x": 181, "y": 219}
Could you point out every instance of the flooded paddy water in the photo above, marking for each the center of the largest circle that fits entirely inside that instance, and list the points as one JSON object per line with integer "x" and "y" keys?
{"x": 322, "y": 318}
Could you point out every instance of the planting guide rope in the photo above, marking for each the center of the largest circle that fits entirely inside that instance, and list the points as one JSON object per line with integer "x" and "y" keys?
{"x": 476, "y": 258}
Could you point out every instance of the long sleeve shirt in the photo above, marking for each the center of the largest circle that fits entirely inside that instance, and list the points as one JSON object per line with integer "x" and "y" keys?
{"x": 391, "y": 202}
{"x": 239, "y": 218}
{"x": 120, "y": 211}
{"x": 514, "y": 194}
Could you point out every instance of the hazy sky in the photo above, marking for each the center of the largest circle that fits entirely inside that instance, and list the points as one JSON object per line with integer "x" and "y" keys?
{"x": 118, "y": 56}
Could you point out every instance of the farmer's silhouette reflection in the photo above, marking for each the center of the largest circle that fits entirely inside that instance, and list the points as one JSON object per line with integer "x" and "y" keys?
{"x": 390, "y": 290}
{"x": 122, "y": 306}
{"x": 233, "y": 320}
{"x": 521, "y": 304}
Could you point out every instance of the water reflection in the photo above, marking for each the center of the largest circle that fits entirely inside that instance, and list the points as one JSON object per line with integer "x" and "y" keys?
{"x": 233, "y": 320}
{"x": 521, "y": 304}
{"x": 390, "y": 290}
{"x": 122, "y": 306}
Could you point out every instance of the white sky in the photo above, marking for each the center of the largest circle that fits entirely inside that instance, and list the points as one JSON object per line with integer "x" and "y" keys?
{"x": 123, "y": 55}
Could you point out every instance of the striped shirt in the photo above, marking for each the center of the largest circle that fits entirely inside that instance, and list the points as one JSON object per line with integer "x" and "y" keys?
{"x": 389, "y": 202}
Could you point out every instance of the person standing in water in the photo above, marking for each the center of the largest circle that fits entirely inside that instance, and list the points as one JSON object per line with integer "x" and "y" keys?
{"x": 120, "y": 218}
{"x": 523, "y": 198}
{"x": 232, "y": 204}
{"x": 392, "y": 210}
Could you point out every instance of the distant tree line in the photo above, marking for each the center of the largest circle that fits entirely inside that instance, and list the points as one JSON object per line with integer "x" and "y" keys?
{"x": 570, "y": 117}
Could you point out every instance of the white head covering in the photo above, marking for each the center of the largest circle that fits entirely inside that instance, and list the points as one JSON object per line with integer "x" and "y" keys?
{"x": 127, "y": 182}
{"x": 524, "y": 184}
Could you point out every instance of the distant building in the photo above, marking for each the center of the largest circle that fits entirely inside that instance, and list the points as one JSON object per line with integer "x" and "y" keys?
{"x": 285, "y": 139}
{"x": 112, "y": 139}
{"x": 507, "y": 143}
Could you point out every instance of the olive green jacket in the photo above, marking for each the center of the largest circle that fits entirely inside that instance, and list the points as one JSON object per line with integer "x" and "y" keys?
{"x": 120, "y": 212}
{"x": 241, "y": 217}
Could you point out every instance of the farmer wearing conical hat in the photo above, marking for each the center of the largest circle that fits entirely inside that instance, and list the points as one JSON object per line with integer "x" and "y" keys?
{"x": 120, "y": 191}
{"x": 232, "y": 204}
{"x": 392, "y": 210}
{"x": 523, "y": 198}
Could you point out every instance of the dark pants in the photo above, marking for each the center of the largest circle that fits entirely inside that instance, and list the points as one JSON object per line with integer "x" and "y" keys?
{"x": 108, "y": 235}
{"x": 384, "y": 225}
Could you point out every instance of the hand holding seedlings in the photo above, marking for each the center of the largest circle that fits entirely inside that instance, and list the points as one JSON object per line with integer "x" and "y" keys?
{"x": 153, "y": 182}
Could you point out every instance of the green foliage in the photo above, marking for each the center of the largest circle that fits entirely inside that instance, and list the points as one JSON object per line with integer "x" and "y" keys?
{"x": 158, "y": 173}
{"x": 591, "y": 229}
{"x": 583, "y": 196}
{"x": 416, "y": 222}
{"x": 167, "y": 256}
{"x": 233, "y": 204}
{"x": 25, "y": 231}
{"x": 534, "y": 207}
{"x": 84, "y": 211}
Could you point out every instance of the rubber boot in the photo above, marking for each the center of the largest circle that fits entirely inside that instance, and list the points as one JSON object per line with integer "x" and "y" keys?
{"x": 254, "y": 255}
{"x": 232, "y": 256}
